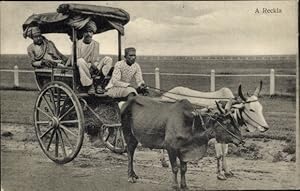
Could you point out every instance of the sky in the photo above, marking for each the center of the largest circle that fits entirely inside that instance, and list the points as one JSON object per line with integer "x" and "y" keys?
{"x": 175, "y": 27}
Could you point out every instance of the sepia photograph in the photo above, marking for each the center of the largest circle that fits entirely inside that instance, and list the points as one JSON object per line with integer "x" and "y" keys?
{"x": 149, "y": 95}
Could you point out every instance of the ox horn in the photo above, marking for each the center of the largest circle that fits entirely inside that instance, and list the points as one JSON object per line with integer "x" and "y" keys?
{"x": 220, "y": 108}
{"x": 258, "y": 89}
{"x": 228, "y": 105}
{"x": 241, "y": 93}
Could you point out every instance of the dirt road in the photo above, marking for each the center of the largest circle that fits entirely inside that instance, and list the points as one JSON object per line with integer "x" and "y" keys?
{"x": 25, "y": 167}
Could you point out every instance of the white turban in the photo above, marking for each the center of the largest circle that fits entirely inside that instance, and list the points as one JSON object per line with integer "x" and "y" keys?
{"x": 91, "y": 25}
{"x": 30, "y": 31}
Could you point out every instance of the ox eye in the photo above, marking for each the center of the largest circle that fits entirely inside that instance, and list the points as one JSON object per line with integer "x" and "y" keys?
{"x": 251, "y": 110}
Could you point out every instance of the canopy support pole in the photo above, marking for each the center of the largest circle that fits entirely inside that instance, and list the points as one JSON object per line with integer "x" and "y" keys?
{"x": 119, "y": 46}
{"x": 74, "y": 58}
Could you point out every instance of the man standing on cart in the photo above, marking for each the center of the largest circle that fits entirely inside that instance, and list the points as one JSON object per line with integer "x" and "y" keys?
{"x": 124, "y": 71}
{"x": 88, "y": 59}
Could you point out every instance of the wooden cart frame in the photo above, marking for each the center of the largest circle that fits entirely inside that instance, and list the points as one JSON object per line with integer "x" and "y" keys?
{"x": 61, "y": 103}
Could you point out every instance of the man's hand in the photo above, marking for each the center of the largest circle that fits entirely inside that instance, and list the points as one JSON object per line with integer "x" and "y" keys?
{"x": 60, "y": 65}
{"x": 94, "y": 70}
{"x": 37, "y": 64}
{"x": 93, "y": 67}
{"x": 143, "y": 89}
{"x": 143, "y": 86}
{"x": 48, "y": 63}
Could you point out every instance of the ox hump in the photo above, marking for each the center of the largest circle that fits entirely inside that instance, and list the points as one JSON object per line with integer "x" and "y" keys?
{"x": 185, "y": 104}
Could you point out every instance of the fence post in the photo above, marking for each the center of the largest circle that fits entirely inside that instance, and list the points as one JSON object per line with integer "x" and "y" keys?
{"x": 157, "y": 80}
{"x": 272, "y": 82}
{"x": 16, "y": 76}
{"x": 212, "y": 80}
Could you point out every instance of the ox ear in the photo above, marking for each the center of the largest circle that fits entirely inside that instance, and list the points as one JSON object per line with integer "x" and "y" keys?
{"x": 241, "y": 93}
{"x": 219, "y": 106}
{"x": 239, "y": 105}
{"x": 258, "y": 89}
{"x": 195, "y": 113}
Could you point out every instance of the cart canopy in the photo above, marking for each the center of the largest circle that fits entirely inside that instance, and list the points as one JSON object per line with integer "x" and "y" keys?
{"x": 77, "y": 15}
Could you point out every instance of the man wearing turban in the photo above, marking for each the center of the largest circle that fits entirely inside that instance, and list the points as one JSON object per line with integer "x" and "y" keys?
{"x": 88, "y": 59}
{"x": 43, "y": 52}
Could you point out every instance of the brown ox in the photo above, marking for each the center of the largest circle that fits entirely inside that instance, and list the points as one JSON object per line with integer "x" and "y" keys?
{"x": 176, "y": 127}
{"x": 247, "y": 113}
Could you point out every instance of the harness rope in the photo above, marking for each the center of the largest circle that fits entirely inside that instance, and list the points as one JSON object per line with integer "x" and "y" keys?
{"x": 212, "y": 118}
{"x": 201, "y": 119}
{"x": 252, "y": 120}
{"x": 240, "y": 114}
{"x": 229, "y": 132}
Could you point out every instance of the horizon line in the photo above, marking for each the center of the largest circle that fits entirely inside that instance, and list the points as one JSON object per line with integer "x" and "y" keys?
{"x": 295, "y": 54}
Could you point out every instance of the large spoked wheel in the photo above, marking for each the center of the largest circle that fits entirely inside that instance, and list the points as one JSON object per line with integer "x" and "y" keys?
{"x": 112, "y": 136}
{"x": 59, "y": 122}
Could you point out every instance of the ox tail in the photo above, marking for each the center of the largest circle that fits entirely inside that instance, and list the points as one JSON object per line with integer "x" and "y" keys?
{"x": 126, "y": 106}
{"x": 126, "y": 116}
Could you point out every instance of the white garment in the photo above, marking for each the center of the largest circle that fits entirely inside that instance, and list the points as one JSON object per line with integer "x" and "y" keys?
{"x": 84, "y": 72}
{"x": 121, "y": 78}
{"x": 105, "y": 65}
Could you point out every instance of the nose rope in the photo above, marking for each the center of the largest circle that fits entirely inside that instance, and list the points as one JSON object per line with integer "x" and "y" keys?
{"x": 212, "y": 118}
{"x": 252, "y": 119}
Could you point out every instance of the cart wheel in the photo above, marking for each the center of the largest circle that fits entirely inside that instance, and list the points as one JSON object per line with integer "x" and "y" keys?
{"x": 59, "y": 122}
{"x": 112, "y": 136}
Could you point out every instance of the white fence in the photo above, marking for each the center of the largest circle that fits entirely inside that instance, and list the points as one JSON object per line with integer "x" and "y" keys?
{"x": 157, "y": 74}
{"x": 213, "y": 76}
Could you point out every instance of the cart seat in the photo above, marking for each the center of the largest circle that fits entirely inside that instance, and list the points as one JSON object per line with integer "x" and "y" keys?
{"x": 43, "y": 75}
{"x": 103, "y": 97}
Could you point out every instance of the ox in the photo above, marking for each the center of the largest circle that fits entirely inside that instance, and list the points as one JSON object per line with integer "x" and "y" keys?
{"x": 247, "y": 113}
{"x": 176, "y": 127}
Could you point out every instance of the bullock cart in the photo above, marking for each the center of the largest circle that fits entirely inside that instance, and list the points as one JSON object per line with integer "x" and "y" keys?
{"x": 63, "y": 110}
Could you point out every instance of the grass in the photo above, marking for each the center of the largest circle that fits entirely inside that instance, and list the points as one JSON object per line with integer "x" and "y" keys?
{"x": 17, "y": 106}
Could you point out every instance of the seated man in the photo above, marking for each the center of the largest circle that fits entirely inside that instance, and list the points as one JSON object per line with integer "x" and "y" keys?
{"x": 88, "y": 60}
{"x": 102, "y": 73}
{"x": 43, "y": 52}
{"x": 124, "y": 72}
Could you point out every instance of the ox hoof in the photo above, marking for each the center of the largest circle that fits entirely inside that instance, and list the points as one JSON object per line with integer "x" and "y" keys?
{"x": 229, "y": 174}
{"x": 135, "y": 176}
{"x": 185, "y": 188}
{"x": 175, "y": 188}
{"x": 164, "y": 163}
{"x": 132, "y": 179}
{"x": 221, "y": 177}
